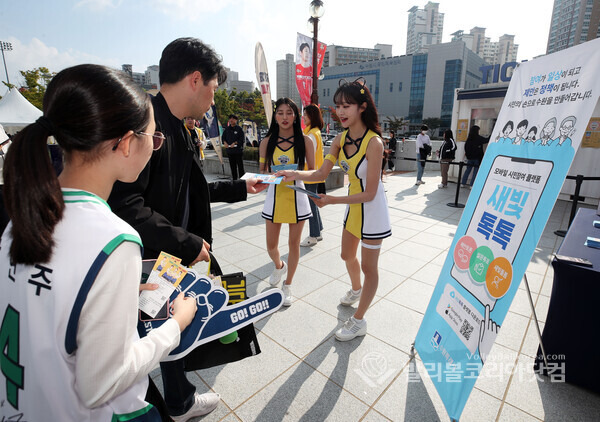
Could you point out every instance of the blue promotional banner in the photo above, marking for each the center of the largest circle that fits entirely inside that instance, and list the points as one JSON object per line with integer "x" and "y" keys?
{"x": 214, "y": 318}
{"x": 540, "y": 126}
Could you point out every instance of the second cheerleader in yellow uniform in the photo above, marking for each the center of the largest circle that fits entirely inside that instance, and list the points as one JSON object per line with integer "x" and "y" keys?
{"x": 285, "y": 144}
{"x": 359, "y": 150}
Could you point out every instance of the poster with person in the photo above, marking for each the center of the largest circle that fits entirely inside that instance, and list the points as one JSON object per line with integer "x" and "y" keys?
{"x": 543, "y": 119}
{"x": 304, "y": 66}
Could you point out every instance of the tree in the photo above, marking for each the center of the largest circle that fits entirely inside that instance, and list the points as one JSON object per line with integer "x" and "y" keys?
{"x": 397, "y": 124}
{"x": 433, "y": 123}
{"x": 36, "y": 81}
{"x": 9, "y": 86}
{"x": 247, "y": 106}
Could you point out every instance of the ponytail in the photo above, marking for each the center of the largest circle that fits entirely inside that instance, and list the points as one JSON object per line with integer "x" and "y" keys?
{"x": 84, "y": 106}
{"x": 32, "y": 195}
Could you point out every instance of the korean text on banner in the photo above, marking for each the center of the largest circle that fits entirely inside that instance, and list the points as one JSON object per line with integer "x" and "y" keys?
{"x": 543, "y": 118}
{"x": 211, "y": 127}
{"x": 262, "y": 76}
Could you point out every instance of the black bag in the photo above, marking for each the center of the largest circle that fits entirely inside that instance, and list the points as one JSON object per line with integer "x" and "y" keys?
{"x": 216, "y": 353}
{"x": 427, "y": 149}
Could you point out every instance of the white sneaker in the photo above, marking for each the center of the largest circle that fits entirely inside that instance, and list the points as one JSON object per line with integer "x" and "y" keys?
{"x": 442, "y": 186}
{"x": 350, "y": 298}
{"x": 287, "y": 294}
{"x": 203, "y": 405}
{"x": 319, "y": 238}
{"x": 309, "y": 241}
{"x": 277, "y": 274}
{"x": 351, "y": 329}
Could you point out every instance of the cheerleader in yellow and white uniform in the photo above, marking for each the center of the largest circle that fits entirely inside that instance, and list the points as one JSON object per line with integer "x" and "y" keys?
{"x": 285, "y": 144}
{"x": 359, "y": 150}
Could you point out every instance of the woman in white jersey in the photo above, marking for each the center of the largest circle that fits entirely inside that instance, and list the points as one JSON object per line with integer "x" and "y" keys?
{"x": 72, "y": 268}
{"x": 359, "y": 150}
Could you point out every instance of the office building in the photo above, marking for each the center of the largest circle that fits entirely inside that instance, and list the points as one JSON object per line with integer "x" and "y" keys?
{"x": 337, "y": 55}
{"x": 286, "y": 79}
{"x": 151, "y": 76}
{"x": 414, "y": 87}
{"x": 138, "y": 78}
{"x": 505, "y": 50}
{"x": 425, "y": 27}
{"x": 573, "y": 22}
{"x": 233, "y": 83}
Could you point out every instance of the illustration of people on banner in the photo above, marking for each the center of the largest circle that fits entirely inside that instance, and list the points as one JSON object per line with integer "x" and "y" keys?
{"x": 543, "y": 119}
{"x": 304, "y": 66}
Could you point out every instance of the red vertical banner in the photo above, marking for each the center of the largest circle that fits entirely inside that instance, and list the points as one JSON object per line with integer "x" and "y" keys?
{"x": 304, "y": 68}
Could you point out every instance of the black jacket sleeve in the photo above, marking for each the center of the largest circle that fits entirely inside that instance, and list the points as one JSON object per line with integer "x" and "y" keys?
{"x": 228, "y": 191}
{"x": 158, "y": 233}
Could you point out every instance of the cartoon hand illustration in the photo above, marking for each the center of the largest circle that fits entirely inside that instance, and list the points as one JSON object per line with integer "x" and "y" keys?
{"x": 487, "y": 334}
{"x": 214, "y": 319}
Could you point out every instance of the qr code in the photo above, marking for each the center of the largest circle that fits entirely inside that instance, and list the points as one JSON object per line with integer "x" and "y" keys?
{"x": 466, "y": 329}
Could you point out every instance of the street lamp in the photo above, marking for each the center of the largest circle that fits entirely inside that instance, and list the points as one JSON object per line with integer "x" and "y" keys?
{"x": 316, "y": 11}
{"x": 8, "y": 47}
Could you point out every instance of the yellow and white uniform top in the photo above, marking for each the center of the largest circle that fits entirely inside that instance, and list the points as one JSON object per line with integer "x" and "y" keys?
{"x": 315, "y": 132}
{"x": 367, "y": 220}
{"x": 285, "y": 205}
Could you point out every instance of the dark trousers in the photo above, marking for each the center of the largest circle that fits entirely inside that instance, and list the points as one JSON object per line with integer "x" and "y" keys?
{"x": 237, "y": 165}
{"x": 179, "y": 392}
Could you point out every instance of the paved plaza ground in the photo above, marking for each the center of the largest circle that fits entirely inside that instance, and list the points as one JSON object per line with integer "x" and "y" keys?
{"x": 304, "y": 374}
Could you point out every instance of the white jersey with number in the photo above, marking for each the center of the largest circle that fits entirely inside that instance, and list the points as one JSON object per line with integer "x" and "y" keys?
{"x": 40, "y": 309}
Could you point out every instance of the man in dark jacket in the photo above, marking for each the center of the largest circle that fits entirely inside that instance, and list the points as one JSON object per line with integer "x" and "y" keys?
{"x": 169, "y": 204}
{"x": 392, "y": 153}
{"x": 233, "y": 140}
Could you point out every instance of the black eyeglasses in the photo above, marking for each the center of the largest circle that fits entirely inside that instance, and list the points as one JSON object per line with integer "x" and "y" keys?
{"x": 157, "y": 140}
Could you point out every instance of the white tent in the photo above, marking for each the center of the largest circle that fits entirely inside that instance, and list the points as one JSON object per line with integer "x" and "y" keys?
{"x": 3, "y": 136}
{"x": 16, "y": 112}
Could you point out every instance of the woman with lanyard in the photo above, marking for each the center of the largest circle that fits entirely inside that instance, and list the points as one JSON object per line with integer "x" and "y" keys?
{"x": 285, "y": 145}
{"x": 359, "y": 150}
{"x": 70, "y": 298}
{"x": 314, "y": 123}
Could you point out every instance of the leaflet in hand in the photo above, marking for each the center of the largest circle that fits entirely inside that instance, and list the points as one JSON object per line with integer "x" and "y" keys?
{"x": 263, "y": 178}
{"x": 280, "y": 167}
{"x": 302, "y": 190}
{"x": 167, "y": 273}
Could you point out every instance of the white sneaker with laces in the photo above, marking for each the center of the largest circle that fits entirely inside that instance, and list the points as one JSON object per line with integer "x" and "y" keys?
{"x": 203, "y": 405}
{"x": 287, "y": 294}
{"x": 350, "y": 298}
{"x": 277, "y": 274}
{"x": 351, "y": 329}
{"x": 442, "y": 186}
{"x": 309, "y": 241}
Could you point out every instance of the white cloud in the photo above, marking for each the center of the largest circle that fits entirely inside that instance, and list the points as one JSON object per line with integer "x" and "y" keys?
{"x": 99, "y": 5}
{"x": 35, "y": 54}
{"x": 191, "y": 10}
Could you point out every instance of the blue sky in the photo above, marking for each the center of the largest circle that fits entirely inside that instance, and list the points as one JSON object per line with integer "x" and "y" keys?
{"x": 61, "y": 33}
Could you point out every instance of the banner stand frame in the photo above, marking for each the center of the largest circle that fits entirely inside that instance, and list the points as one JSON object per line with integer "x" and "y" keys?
{"x": 537, "y": 324}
